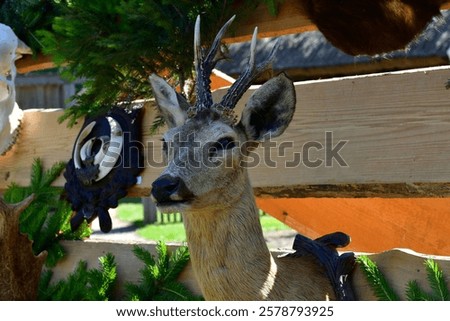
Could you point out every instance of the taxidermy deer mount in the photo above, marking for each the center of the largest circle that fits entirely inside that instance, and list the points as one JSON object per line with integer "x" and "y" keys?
{"x": 205, "y": 181}
{"x": 11, "y": 49}
{"x": 20, "y": 269}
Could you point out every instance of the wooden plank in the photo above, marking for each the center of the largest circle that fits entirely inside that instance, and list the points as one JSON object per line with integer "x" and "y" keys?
{"x": 398, "y": 266}
{"x": 33, "y": 63}
{"x": 393, "y": 128}
{"x": 396, "y": 131}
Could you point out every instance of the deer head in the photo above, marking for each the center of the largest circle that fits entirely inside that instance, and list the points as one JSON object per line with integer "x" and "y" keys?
{"x": 205, "y": 145}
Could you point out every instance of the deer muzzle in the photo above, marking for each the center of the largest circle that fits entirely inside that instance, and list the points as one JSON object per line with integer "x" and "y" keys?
{"x": 168, "y": 190}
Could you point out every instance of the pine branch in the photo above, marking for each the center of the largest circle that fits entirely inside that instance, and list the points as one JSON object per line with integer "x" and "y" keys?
{"x": 376, "y": 279}
{"x": 36, "y": 174}
{"x": 177, "y": 263}
{"x": 143, "y": 255}
{"x": 163, "y": 260}
{"x": 55, "y": 253}
{"x": 102, "y": 281}
{"x": 383, "y": 291}
{"x": 26, "y": 17}
{"x": 415, "y": 293}
{"x": 35, "y": 225}
{"x": 158, "y": 279}
{"x": 82, "y": 284}
{"x": 52, "y": 174}
{"x": 158, "y": 122}
{"x": 272, "y": 6}
{"x": 44, "y": 289}
{"x": 47, "y": 218}
{"x": 109, "y": 275}
{"x": 135, "y": 292}
{"x": 14, "y": 193}
{"x": 437, "y": 280}
{"x": 67, "y": 289}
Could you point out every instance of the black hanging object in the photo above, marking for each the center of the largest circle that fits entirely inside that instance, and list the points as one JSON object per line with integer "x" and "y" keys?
{"x": 338, "y": 267}
{"x": 106, "y": 161}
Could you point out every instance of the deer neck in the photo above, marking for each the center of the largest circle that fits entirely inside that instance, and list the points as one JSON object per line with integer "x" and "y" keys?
{"x": 228, "y": 251}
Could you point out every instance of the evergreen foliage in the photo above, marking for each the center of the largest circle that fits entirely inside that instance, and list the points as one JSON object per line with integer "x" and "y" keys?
{"x": 115, "y": 45}
{"x": 159, "y": 276}
{"x": 26, "y": 17}
{"x": 83, "y": 284}
{"x": 272, "y": 6}
{"x": 380, "y": 286}
{"x": 437, "y": 282}
{"x": 47, "y": 219}
{"x": 383, "y": 290}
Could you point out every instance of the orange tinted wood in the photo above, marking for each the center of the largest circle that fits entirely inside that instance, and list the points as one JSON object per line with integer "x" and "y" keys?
{"x": 374, "y": 224}
{"x": 220, "y": 80}
{"x": 30, "y": 63}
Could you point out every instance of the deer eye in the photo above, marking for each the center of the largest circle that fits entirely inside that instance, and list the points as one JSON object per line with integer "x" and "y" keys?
{"x": 225, "y": 143}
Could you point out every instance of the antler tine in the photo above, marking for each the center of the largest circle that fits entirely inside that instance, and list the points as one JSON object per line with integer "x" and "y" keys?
{"x": 251, "y": 61}
{"x": 197, "y": 47}
{"x": 205, "y": 65}
{"x": 246, "y": 78}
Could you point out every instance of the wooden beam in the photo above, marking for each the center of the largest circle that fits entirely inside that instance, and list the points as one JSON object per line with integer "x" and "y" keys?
{"x": 393, "y": 129}
{"x": 382, "y": 135}
{"x": 30, "y": 63}
{"x": 398, "y": 266}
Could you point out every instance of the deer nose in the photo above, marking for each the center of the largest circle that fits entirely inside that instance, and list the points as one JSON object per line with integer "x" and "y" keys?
{"x": 165, "y": 188}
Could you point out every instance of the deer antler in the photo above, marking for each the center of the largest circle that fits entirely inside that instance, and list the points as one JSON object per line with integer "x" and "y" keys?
{"x": 246, "y": 78}
{"x": 205, "y": 65}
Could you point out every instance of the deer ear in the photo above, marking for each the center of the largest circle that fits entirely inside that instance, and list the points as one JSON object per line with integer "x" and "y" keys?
{"x": 172, "y": 105}
{"x": 270, "y": 109}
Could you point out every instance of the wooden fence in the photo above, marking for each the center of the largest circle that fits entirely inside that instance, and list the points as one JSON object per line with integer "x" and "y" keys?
{"x": 151, "y": 215}
{"x": 398, "y": 266}
{"x": 47, "y": 90}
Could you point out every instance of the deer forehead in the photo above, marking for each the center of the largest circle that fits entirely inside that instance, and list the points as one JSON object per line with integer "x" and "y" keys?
{"x": 202, "y": 132}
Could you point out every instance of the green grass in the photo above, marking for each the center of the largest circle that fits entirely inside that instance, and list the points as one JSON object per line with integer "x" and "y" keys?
{"x": 174, "y": 232}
